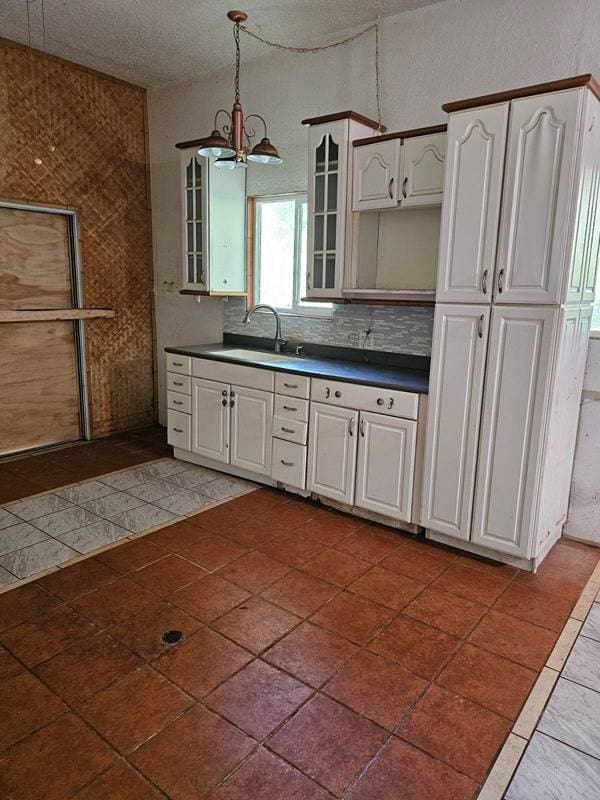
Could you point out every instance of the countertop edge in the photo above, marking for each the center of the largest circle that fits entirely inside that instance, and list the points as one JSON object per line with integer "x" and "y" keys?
{"x": 398, "y": 385}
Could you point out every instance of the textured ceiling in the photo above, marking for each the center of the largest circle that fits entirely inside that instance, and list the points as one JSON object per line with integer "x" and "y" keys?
{"x": 153, "y": 42}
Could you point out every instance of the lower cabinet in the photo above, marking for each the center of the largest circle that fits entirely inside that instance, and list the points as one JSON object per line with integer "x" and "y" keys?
{"x": 232, "y": 424}
{"x": 385, "y": 466}
{"x": 362, "y": 459}
{"x": 332, "y": 452}
{"x": 251, "y": 425}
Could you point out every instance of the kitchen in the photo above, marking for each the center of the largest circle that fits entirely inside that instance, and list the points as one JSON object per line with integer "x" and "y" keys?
{"x": 410, "y": 409}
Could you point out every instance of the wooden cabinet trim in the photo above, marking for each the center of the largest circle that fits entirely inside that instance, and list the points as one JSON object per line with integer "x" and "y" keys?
{"x": 408, "y": 134}
{"x": 371, "y": 123}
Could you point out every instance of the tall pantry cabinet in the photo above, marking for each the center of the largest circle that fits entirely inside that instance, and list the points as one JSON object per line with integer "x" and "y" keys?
{"x": 519, "y": 250}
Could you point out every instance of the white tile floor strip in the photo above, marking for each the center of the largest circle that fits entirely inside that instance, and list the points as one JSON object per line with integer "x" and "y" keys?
{"x": 562, "y": 758}
{"x": 42, "y": 532}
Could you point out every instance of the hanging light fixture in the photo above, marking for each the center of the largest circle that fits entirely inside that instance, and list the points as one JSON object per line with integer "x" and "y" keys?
{"x": 230, "y": 145}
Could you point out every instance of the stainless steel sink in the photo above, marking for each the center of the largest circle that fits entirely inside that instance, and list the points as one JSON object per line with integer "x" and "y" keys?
{"x": 250, "y": 355}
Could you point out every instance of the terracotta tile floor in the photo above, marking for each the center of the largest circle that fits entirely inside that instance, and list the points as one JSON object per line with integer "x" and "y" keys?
{"x": 320, "y": 657}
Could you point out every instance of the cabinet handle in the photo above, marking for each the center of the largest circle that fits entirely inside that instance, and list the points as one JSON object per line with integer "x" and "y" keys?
{"x": 500, "y": 276}
{"x": 391, "y": 188}
{"x": 480, "y": 327}
{"x": 232, "y": 394}
{"x": 290, "y": 385}
{"x": 362, "y": 427}
{"x": 390, "y": 402}
{"x": 308, "y": 281}
{"x": 287, "y": 430}
{"x": 287, "y": 463}
{"x": 351, "y": 426}
{"x": 404, "y": 182}
{"x": 177, "y": 383}
{"x": 328, "y": 392}
{"x": 177, "y": 403}
{"x": 484, "y": 281}
{"x": 231, "y": 403}
{"x": 289, "y": 408}
{"x": 224, "y": 392}
{"x": 178, "y": 430}
{"x": 380, "y": 401}
{"x": 177, "y": 364}
{"x": 338, "y": 393}
{"x": 223, "y": 403}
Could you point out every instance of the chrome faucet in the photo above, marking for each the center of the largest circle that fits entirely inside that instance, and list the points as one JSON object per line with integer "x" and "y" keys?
{"x": 279, "y": 341}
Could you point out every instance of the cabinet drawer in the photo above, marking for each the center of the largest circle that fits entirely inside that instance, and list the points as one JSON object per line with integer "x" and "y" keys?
{"x": 250, "y": 377}
{"x": 292, "y": 385}
{"x": 181, "y": 364}
{"x": 179, "y": 383}
{"x": 365, "y": 398}
{"x": 291, "y": 408}
{"x": 289, "y": 429}
{"x": 179, "y": 402}
{"x": 289, "y": 463}
{"x": 179, "y": 429}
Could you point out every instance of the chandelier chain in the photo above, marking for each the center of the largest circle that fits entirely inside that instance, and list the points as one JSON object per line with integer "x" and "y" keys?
{"x": 304, "y": 50}
{"x": 236, "y": 36}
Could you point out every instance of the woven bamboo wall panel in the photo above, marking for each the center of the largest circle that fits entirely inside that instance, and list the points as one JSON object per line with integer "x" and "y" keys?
{"x": 98, "y": 168}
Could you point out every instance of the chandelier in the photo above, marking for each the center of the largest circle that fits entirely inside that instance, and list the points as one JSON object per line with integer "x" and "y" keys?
{"x": 230, "y": 145}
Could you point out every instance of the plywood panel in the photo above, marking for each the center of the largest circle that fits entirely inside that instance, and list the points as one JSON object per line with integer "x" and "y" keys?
{"x": 38, "y": 391}
{"x": 35, "y": 268}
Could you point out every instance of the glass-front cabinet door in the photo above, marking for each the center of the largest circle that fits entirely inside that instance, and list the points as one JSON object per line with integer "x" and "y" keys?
{"x": 327, "y": 204}
{"x": 194, "y": 217}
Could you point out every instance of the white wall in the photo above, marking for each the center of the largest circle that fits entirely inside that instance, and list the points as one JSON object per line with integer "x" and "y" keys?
{"x": 443, "y": 52}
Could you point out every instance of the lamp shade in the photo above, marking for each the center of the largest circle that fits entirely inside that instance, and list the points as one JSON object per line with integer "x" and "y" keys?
{"x": 264, "y": 153}
{"x": 230, "y": 162}
{"x": 215, "y": 146}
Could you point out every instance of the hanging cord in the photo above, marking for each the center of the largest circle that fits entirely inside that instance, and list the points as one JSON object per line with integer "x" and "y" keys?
{"x": 303, "y": 50}
{"x": 37, "y": 160}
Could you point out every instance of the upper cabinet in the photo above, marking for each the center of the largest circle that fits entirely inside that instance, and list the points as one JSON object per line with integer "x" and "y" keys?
{"x": 521, "y": 179}
{"x": 329, "y": 199}
{"x": 472, "y": 193}
{"x": 213, "y": 205}
{"x": 399, "y": 171}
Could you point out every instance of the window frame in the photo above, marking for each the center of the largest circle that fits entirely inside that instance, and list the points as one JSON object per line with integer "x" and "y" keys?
{"x": 323, "y": 310}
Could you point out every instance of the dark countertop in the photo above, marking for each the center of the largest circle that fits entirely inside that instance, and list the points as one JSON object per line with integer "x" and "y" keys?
{"x": 405, "y": 379}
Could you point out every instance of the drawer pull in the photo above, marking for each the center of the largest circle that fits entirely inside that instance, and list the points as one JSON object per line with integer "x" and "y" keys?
{"x": 177, "y": 383}
{"x": 380, "y": 401}
{"x": 177, "y": 403}
{"x": 287, "y": 463}
{"x": 289, "y": 408}
{"x": 338, "y": 393}
{"x": 328, "y": 392}
{"x": 178, "y": 430}
{"x": 223, "y": 403}
{"x": 224, "y": 392}
{"x": 391, "y": 402}
{"x": 231, "y": 403}
{"x": 351, "y": 427}
{"x": 177, "y": 364}
{"x": 290, "y": 385}
{"x": 287, "y": 430}
{"x": 363, "y": 422}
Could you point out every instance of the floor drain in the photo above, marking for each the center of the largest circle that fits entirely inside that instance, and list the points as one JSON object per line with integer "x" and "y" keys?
{"x": 171, "y": 637}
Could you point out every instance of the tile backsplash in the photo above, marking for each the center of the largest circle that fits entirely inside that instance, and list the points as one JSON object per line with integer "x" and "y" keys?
{"x": 395, "y": 329}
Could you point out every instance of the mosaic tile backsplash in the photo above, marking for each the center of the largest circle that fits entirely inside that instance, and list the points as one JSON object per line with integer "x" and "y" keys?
{"x": 392, "y": 329}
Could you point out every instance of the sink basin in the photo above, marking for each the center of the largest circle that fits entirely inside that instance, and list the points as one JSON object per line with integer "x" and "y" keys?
{"x": 251, "y": 355}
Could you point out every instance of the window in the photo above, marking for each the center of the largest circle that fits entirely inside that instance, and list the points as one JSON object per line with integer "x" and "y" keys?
{"x": 280, "y": 254}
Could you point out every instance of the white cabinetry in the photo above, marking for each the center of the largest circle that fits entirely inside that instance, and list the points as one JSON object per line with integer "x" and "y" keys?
{"x": 332, "y": 452}
{"x": 455, "y": 390}
{"x": 376, "y": 172}
{"x": 472, "y": 194}
{"x": 423, "y": 162}
{"x": 251, "y": 425}
{"x": 213, "y": 203}
{"x": 386, "y": 463}
{"x": 210, "y": 419}
{"x": 330, "y": 199}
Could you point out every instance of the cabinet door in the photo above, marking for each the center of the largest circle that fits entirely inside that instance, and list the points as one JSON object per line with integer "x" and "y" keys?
{"x": 375, "y": 175}
{"x": 539, "y": 176}
{"x": 226, "y": 215}
{"x": 423, "y": 161}
{"x": 470, "y": 210}
{"x": 210, "y": 419}
{"x": 454, "y": 411}
{"x": 514, "y": 415}
{"x": 386, "y": 463}
{"x": 194, "y": 171}
{"x": 332, "y": 452}
{"x": 327, "y": 208}
{"x": 251, "y": 429}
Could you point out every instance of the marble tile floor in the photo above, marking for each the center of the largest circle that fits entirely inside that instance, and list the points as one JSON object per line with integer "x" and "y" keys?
{"x": 320, "y": 657}
{"x": 562, "y": 758}
{"x": 53, "y": 528}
